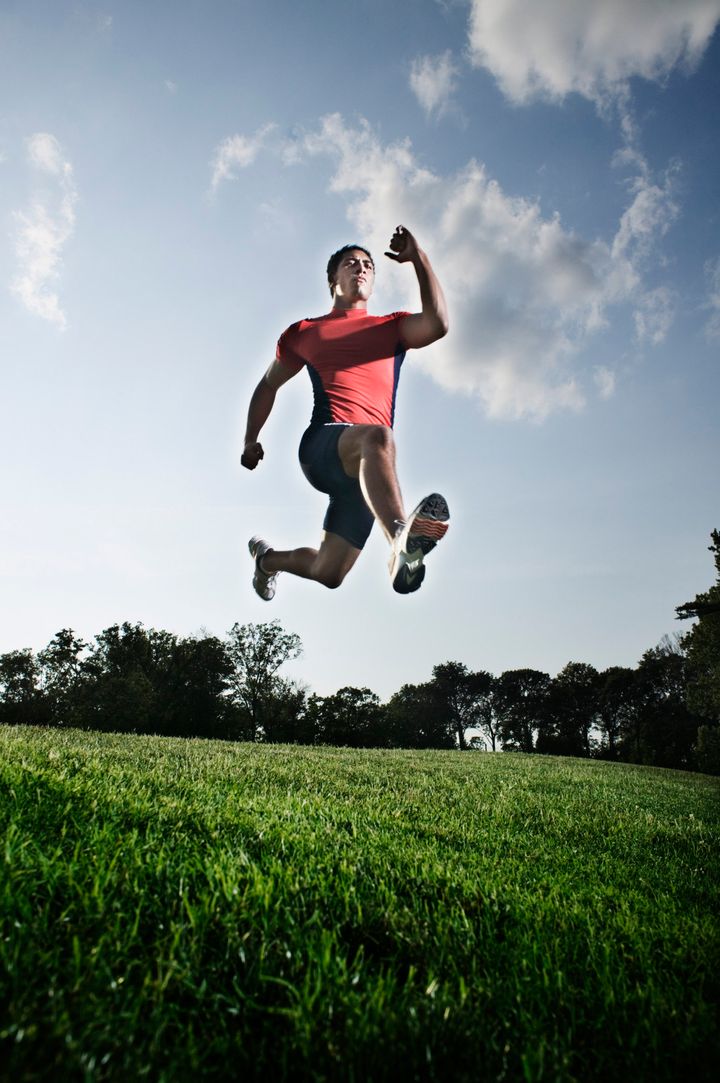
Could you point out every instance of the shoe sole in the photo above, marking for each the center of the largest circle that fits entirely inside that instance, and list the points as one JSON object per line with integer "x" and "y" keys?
{"x": 428, "y": 523}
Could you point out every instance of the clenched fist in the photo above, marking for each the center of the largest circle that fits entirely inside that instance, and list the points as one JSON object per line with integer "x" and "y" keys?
{"x": 252, "y": 455}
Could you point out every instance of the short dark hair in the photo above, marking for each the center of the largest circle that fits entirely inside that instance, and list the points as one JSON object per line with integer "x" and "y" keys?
{"x": 336, "y": 257}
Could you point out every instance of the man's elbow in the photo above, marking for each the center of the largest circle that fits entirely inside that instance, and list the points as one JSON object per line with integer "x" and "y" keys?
{"x": 441, "y": 326}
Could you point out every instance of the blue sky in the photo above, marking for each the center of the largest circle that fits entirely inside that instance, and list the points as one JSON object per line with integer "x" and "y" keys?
{"x": 173, "y": 177}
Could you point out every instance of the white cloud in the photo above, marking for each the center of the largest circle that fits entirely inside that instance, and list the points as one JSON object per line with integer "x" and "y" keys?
{"x": 654, "y": 314}
{"x": 237, "y": 152}
{"x": 712, "y": 274}
{"x": 433, "y": 80}
{"x": 592, "y": 47}
{"x": 43, "y": 231}
{"x": 651, "y": 213}
{"x": 45, "y": 153}
{"x": 524, "y": 292}
{"x": 171, "y": 87}
{"x": 604, "y": 381}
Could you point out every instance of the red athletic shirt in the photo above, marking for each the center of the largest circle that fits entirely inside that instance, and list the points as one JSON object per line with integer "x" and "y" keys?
{"x": 354, "y": 364}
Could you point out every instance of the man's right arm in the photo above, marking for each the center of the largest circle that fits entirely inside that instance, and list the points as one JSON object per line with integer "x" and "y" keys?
{"x": 261, "y": 404}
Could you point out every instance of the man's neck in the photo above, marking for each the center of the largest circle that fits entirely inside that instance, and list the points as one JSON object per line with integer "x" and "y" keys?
{"x": 342, "y": 304}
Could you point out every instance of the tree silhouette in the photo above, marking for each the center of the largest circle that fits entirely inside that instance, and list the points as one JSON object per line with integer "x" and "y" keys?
{"x": 702, "y": 646}
{"x": 352, "y": 717}
{"x": 462, "y": 698}
{"x": 412, "y": 719}
{"x": 256, "y": 653}
{"x": 520, "y": 703}
{"x": 20, "y": 698}
{"x": 618, "y": 706}
{"x": 571, "y": 711}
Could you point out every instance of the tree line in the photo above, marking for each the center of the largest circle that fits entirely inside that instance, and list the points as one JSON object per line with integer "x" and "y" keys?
{"x": 665, "y": 711}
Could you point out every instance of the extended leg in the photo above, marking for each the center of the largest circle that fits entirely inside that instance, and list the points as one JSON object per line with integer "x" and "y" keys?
{"x": 327, "y": 565}
{"x": 367, "y": 452}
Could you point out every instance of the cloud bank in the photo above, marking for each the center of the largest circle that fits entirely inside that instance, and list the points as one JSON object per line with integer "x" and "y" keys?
{"x": 43, "y": 231}
{"x": 525, "y": 293}
{"x": 592, "y": 47}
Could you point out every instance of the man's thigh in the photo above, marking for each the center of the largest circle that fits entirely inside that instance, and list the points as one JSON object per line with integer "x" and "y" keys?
{"x": 348, "y": 515}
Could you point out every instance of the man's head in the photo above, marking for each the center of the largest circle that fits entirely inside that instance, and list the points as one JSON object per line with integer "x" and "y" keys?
{"x": 351, "y": 273}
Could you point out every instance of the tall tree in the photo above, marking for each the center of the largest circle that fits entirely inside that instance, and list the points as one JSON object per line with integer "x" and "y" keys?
{"x": 286, "y": 717}
{"x": 21, "y": 702}
{"x": 256, "y": 652}
{"x": 702, "y": 646}
{"x": 62, "y": 674}
{"x": 520, "y": 704}
{"x": 666, "y": 730}
{"x": 618, "y": 707}
{"x": 572, "y": 711}
{"x": 124, "y": 677}
{"x": 412, "y": 719}
{"x": 192, "y": 688}
{"x": 351, "y": 717}
{"x": 462, "y": 699}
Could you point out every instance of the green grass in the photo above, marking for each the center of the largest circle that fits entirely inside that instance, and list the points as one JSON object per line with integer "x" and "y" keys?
{"x": 187, "y": 910}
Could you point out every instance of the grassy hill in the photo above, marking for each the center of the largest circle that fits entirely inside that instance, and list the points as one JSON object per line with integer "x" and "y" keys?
{"x": 188, "y": 910}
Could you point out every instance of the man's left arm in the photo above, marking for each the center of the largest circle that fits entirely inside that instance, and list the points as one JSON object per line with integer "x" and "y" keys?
{"x": 427, "y": 326}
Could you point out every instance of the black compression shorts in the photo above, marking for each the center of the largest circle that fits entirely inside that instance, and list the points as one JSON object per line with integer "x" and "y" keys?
{"x": 347, "y": 515}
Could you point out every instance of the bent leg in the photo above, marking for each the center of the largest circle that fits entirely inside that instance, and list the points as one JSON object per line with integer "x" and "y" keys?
{"x": 327, "y": 565}
{"x": 367, "y": 452}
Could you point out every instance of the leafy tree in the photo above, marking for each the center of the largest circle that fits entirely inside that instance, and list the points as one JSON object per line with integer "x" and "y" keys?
{"x": 462, "y": 699}
{"x": 618, "y": 706}
{"x": 21, "y": 702}
{"x": 256, "y": 653}
{"x": 125, "y": 675}
{"x": 412, "y": 719}
{"x": 520, "y": 705}
{"x": 665, "y": 730}
{"x": 571, "y": 711}
{"x": 192, "y": 687}
{"x": 287, "y": 718}
{"x": 62, "y": 674}
{"x": 352, "y": 717}
{"x": 702, "y": 646}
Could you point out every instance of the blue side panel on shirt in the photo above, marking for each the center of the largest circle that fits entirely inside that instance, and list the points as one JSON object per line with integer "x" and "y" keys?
{"x": 322, "y": 414}
{"x": 399, "y": 358}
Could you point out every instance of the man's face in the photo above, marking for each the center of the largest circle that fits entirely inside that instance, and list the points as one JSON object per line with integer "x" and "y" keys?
{"x": 355, "y": 277}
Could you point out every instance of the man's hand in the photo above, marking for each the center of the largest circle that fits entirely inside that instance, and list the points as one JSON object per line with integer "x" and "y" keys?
{"x": 404, "y": 246}
{"x": 252, "y": 455}
{"x": 421, "y": 328}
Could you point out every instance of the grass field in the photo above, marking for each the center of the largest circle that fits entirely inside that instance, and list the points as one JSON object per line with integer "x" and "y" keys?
{"x": 187, "y": 910}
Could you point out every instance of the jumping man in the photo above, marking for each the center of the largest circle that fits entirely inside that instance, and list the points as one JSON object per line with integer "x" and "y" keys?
{"x": 348, "y": 451}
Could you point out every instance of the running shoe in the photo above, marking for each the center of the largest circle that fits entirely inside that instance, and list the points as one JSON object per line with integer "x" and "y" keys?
{"x": 427, "y": 524}
{"x": 263, "y": 582}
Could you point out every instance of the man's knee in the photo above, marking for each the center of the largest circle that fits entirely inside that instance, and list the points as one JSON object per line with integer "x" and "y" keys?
{"x": 378, "y": 438}
{"x": 330, "y": 577}
{"x": 360, "y": 442}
